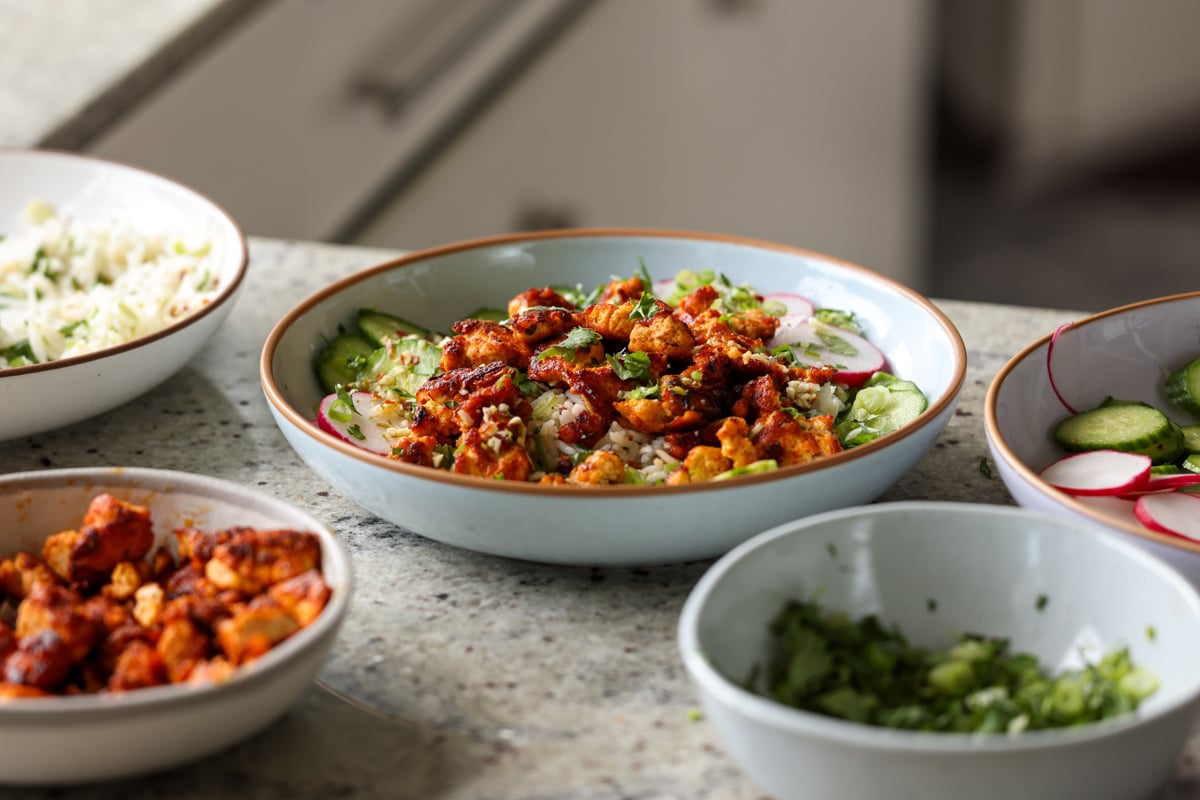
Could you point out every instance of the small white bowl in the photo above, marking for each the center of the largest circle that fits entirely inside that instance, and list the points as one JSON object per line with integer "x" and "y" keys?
{"x": 44, "y": 396}
{"x": 606, "y": 525}
{"x": 934, "y": 569}
{"x": 1124, "y": 352}
{"x": 84, "y": 738}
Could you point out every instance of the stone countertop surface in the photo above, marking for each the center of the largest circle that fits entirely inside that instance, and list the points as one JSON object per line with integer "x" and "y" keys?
{"x": 68, "y": 67}
{"x": 459, "y": 675}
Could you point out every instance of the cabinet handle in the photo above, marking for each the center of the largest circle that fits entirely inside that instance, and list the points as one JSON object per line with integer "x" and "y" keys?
{"x": 431, "y": 44}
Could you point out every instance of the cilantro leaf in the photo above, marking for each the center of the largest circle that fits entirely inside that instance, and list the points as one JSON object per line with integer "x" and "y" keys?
{"x": 569, "y": 347}
{"x": 631, "y": 366}
{"x": 646, "y": 307}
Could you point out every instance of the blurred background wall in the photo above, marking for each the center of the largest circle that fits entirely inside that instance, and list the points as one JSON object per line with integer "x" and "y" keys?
{"x": 1017, "y": 151}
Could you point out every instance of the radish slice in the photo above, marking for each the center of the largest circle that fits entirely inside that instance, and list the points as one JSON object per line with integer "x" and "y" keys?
{"x": 358, "y": 429}
{"x": 792, "y": 305}
{"x": 816, "y": 344}
{"x": 1119, "y": 508}
{"x": 1050, "y": 368}
{"x": 1176, "y": 513}
{"x": 1167, "y": 483}
{"x": 1098, "y": 472}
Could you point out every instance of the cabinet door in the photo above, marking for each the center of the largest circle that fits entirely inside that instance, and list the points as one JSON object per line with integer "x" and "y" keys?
{"x": 801, "y": 121}
{"x": 296, "y": 119}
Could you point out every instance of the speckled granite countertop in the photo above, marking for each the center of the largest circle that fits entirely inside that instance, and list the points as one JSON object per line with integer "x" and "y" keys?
{"x": 460, "y": 675}
{"x": 68, "y": 67}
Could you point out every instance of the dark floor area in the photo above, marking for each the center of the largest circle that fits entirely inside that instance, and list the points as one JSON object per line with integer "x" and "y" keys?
{"x": 1112, "y": 239}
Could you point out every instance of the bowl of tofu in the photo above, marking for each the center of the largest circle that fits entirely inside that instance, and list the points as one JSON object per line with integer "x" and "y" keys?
{"x": 149, "y": 618}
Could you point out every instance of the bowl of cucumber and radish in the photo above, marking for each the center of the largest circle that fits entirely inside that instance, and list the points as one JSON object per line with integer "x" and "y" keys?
{"x": 1101, "y": 419}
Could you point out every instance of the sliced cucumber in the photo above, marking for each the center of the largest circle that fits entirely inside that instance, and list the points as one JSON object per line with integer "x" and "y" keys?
{"x": 878, "y": 410}
{"x": 402, "y": 364}
{"x": 1131, "y": 427}
{"x": 1183, "y": 387}
{"x": 377, "y": 327}
{"x": 340, "y": 360}
{"x": 1191, "y": 463}
{"x": 1191, "y": 438}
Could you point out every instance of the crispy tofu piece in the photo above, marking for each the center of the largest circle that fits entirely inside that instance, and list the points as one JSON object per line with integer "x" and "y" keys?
{"x": 137, "y": 666}
{"x": 148, "y": 604}
{"x": 123, "y": 582}
{"x": 120, "y": 638}
{"x": 182, "y": 646}
{"x": 303, "y": 596}
{"x": 254, "y": 629}
{"x": 113, "y": 531}
{"x": 214, "y": 670}
{"x": 15, "y": 691}
{"x": 42, "y": 660}
{"x": 19, "y": 573}
{"x": 198, "y": 546}
{"x": 60, "y": 610}
{"x": 253, "y": 560}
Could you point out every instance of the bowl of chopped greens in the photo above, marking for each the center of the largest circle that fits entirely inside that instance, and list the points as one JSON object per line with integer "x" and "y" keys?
{"x": 1100, "y": 420}
{"x": 111, "y": 279}
{"x": 611, "y": 396}
{"x": 945, "y": 650}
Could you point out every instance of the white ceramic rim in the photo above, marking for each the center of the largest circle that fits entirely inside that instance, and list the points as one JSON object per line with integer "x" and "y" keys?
{"x": 1030, "y": 477}
{"x": 303, "y": 424}
{"x": 792, "y": 720}
{"x": 246, "y": 679}
{"x": 224, "y": 295}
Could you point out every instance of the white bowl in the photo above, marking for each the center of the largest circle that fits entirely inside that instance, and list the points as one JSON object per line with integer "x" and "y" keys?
{"x": 1125, "y": 352}
{"x": 932, "y": 569}
{"x": 606, "y": 525}
{"x": 87, "y": 189}
{"x": 83, "y": 738}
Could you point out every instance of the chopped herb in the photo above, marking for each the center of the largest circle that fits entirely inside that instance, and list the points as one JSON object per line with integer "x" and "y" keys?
{"x": 643, "y": 392}
{"x": 694, "y": 715}
{"x": 865, "y": 671}
{"x": 1041, "y": 602}
{"x": 985, "y": 467}
{"x": 630, "y": 366}
{"x": 831, "y": 548}
{"x": 644, "y": 274}
{"x": 646, "y": 307}
{"x": 342, "y": 409}
{"x": 835, "y": 344}
{"x": 356, "y": 432}
{"x": 931, "y": 604}
{"x": 840, "y": 319}
{"x": 1151, "y": 633}
{"x": 569, "y": 347}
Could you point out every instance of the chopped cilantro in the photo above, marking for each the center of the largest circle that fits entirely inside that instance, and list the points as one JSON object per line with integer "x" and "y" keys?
{"x": 630, "y": 366}
{"x": 569, "y": 347}
{"x": 356, "y": 432}
{"x": 342, "y": 409}
{"x": 647, "y": 307}
{"x": 985, "y": 467}
{"x": 1041, "y": 602}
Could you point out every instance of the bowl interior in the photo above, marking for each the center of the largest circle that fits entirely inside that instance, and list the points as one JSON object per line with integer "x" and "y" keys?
{"x": 38, "y": 504}
{"x": 1125, "y": 354}
{"x": 92, "y": 190}
{"x": 937, "y": 569}
{"x": 436, "y": 288}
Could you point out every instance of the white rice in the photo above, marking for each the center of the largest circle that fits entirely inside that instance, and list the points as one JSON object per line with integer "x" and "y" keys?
{"x": 68, "y": 288}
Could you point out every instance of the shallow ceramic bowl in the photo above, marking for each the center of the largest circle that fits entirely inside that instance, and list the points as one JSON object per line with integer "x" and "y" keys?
{"x": 87, "y": 189}
{"x": 606, "y": 525}
{"x": 65, "y": 740}
{"x": 933, "y": 569}
{"x": 1125, "y": 352}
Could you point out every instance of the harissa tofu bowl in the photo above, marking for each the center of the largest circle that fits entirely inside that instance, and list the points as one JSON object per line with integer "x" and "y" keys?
{"x": 611, "y": 396}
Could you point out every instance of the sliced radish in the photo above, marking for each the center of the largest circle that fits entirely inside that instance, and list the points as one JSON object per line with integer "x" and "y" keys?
{"x": 1098, "y": 472}
{"x": 816, "y": 344}
{"x": 1050, "y": 365}
{"x": 355, "y": 427}
{"x": 1176, "y": 513}
{"x": 1167, "y": 483}
{"x": 792, "y": 305}
{"x": 663, "y": 289}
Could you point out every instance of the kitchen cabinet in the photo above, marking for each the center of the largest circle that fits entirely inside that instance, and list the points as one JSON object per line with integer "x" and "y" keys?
{"x": 801, "y": 121}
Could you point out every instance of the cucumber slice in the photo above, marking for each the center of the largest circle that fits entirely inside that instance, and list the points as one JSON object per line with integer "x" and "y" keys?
{"x": 377, "y": 327}
{"x": 879, "y": 410}
{"x": 1191, "y": 463}
{"x": 1169, "y": 449}
{"x": 339, "y": 361}
{"x": 1183, "y": 387}
{"x": 1130, "y": 427}
{"x": 402, "y": 364}
{"x": 1191, "y": 438}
